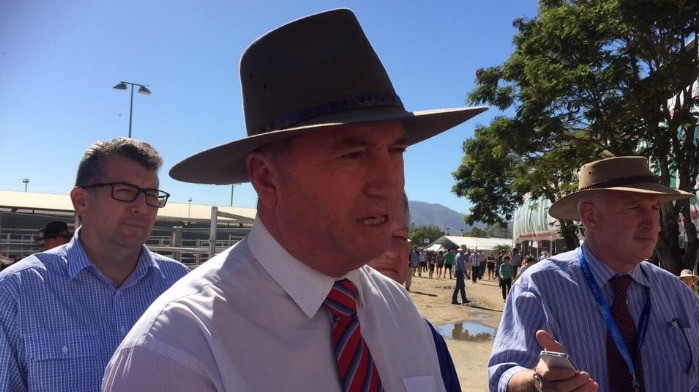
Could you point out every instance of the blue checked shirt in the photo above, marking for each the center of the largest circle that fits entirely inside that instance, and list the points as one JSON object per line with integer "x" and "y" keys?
{"x": 553, "y": 295}
{"x": 61, "y": 318}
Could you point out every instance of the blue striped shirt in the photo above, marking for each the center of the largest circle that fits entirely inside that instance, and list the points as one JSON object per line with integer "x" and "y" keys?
{"x": 553, "y": 295}
{"x": 460, "y": 264}
{"x": 61, "y": 318}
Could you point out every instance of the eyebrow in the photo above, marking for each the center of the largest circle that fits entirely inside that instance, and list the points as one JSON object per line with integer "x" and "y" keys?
{"x": 354, "y": 141}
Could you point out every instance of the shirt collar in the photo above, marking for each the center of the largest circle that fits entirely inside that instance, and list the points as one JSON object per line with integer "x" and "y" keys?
{"x": 78, "y": 260}
{"x": 602, "y": 273}
{"x": 307, "y": 287}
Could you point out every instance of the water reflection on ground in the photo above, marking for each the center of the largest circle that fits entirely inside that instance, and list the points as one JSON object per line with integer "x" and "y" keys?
{"x": 466, "y": 331}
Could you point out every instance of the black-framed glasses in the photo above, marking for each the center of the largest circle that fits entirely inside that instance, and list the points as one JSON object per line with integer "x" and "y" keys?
{"x": 122, "y": 191}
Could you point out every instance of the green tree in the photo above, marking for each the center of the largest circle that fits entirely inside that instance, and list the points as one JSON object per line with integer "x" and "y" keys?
{"x": 476, "y": 232}
{"x": 501, "y": 248}
{"x": 587, "y": 80}
{"x": 418, "y": 235}
{"x": 498, "y": 231}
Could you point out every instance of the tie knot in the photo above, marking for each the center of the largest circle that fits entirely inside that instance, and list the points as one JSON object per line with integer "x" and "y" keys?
{"x": 620, "y": 284}
{"x": 342, "y": 299}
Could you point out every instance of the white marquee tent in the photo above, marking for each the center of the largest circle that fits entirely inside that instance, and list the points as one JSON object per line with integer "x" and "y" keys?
{"x": 452, "y": 242}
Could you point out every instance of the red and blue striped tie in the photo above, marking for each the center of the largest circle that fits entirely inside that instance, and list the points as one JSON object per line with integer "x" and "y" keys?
{"x": 354, "y": 363}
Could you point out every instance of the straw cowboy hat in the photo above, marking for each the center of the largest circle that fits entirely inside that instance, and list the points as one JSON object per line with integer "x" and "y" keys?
{"x": 685, "y": 273}
{"x": 627, "y": 174}
{"x": 54, "y": 229}
{"x": 311, "y": 75}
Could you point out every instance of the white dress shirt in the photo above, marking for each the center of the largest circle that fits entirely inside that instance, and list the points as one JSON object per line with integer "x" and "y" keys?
{"x": 251, "y": 319}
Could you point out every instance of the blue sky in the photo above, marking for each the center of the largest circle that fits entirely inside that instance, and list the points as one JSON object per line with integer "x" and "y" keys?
{"x": 60, "y": 59}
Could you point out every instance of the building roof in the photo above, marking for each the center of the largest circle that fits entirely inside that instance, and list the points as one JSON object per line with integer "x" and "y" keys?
{"x": 31, "y": 202}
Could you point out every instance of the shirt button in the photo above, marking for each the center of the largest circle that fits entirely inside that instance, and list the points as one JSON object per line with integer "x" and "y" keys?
{"x": 65, "y": 349}
{"x": 123, "y": 330}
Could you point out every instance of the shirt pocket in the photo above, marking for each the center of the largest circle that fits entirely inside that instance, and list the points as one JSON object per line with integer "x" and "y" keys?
{"x": 64, "y": 358}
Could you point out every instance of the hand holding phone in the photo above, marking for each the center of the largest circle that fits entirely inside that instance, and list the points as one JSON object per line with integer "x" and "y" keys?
{"x": 556, "y": 359}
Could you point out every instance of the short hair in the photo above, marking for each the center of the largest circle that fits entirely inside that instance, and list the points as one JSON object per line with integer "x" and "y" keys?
{"x": 91, "y": 168}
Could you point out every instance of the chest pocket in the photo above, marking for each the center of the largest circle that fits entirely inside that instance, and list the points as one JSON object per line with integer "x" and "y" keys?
{"x": 64, "y": 360}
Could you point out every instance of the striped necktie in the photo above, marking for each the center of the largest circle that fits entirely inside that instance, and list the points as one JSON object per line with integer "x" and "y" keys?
{"x": 354, "y": 363}
{"x": 617, "y": 370}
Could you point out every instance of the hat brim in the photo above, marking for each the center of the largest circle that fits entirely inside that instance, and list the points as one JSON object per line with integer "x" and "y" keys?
{"x": 567, "y": 207}
{"x": 225, "y": 164}
{"x": 61, "y": 235}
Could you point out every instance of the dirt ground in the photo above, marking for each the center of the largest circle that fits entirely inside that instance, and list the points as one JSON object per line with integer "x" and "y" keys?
{"x": 468, "y": 330}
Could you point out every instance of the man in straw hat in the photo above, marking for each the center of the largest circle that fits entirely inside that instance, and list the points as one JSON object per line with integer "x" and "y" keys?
{"x": 689, "y": 279}
{"x": 627, "y": 324}
{"x": 324, "y": 152}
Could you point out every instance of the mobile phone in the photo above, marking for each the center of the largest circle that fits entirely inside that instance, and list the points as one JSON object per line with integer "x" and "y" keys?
{"x": 556, "y": 359}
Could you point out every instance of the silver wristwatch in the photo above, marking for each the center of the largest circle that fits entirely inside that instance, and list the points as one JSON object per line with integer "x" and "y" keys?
{"x": 538, "y": 384}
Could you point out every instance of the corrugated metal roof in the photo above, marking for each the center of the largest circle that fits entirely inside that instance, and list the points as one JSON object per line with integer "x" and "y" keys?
{"x": 32, "y": 201}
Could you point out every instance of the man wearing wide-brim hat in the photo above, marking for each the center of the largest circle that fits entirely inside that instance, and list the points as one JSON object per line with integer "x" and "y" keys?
{"x": 627, "y": 324}
{"x": 54, "y": 234}
{"x": 292, "y": 307}
{"x": 688, "y": 278}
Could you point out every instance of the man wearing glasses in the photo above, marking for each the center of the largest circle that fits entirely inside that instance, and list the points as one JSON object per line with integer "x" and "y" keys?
{"x": 64, "y": 311}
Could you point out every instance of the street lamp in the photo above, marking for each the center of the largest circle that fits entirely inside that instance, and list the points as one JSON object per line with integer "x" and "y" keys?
{"x": 141, "y": 90}
{"x": 25, "y": 181}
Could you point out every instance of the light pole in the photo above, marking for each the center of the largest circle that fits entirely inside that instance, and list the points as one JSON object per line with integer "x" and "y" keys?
{"x": 25, "y": 181}
{"x": 232, "y": 189}
{"x": 141, "y": 90}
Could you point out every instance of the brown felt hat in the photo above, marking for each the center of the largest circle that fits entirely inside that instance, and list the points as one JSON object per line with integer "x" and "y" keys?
{"x": 313, "y": 74}
{"x": 627, "y": 174}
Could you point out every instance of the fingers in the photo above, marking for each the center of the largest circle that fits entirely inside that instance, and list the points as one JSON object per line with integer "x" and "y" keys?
{"x": 581, "y": 382}
{"x": 548, "y": 343}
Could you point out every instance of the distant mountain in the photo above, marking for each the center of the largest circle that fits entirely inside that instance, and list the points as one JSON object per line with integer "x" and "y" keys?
{"x": 446, "y": 219}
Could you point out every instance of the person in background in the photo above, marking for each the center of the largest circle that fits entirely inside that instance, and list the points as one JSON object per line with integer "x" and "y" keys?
{"x": 449, "y": 262}
{"x": 506, "y": 272}
{"x": 413, "y": 265}
{"x": 54, "y": 234}
{"x": 490, "y": 265}
{"x": 460, "y": 274}
{"x": 626, "y": 323}
{"x": 689, "y": 279}
{"x": 392, "y": 263}
{"x": 324, "y": 152}
{"x": 422, "y": 258}
{"x": 516, "y": 260}
{"x": 475, "y": 260}
{"x": 527, "y": 262}
{"x": 439, "y": 258}
{"x": 64, "y": 311}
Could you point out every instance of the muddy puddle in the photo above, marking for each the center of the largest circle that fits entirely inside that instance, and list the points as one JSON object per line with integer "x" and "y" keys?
{"x": 471, "y": 331}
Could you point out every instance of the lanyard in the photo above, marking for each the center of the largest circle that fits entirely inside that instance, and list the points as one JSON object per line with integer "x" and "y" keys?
{"x": 611, "y": 325}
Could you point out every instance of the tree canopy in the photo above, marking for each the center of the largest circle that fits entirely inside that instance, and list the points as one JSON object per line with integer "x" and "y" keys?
{"x": 420, "y": 236}
{"x": 587, "y": 80}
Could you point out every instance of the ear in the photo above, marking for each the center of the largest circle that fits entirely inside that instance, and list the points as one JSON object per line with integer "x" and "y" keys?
{"x": 262, "y": 177}
{"x": 79, "y": 198}
{"x": 588, "y": 215}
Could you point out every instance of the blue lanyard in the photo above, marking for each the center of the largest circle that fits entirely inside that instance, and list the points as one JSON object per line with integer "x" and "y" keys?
{"x": 611, "y": 325}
